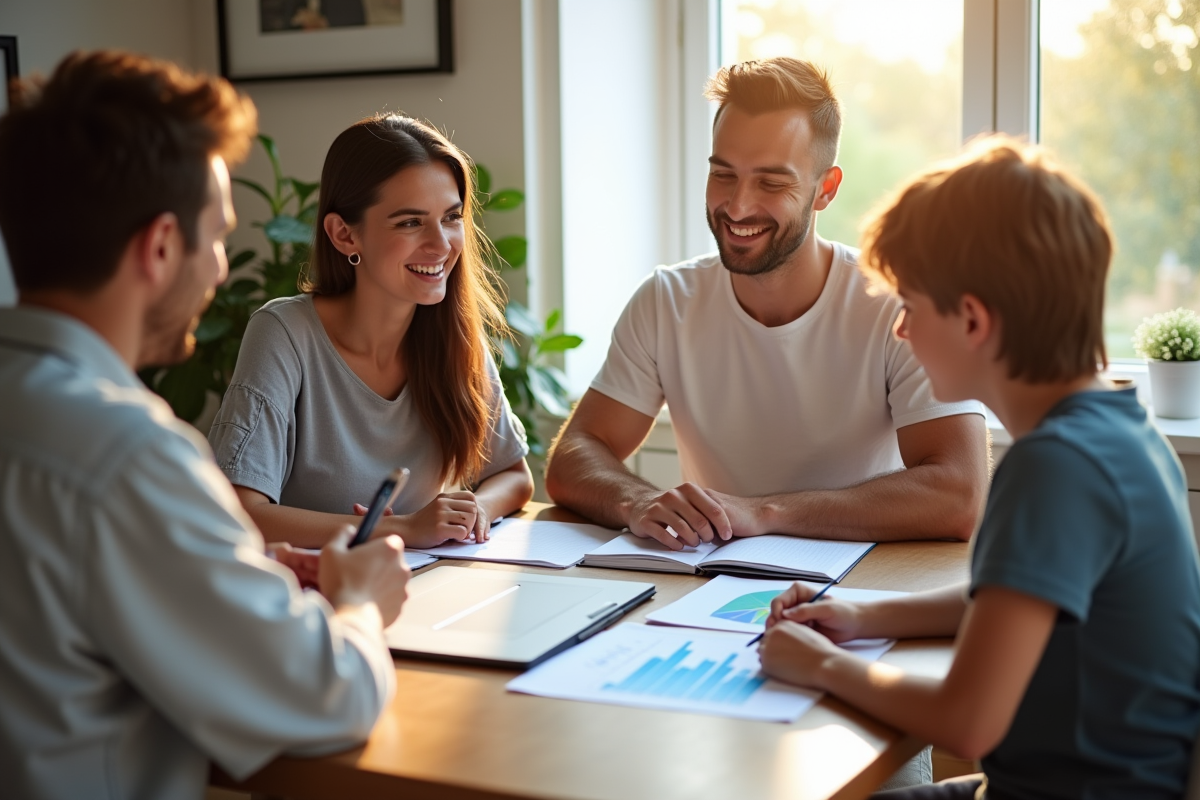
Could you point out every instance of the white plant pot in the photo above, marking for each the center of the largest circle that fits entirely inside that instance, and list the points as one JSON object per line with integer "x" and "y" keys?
{"x": 1175, "y": 388}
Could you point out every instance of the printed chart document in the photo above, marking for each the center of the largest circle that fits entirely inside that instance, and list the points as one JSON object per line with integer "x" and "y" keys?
{"x": 705, "y": 672}
{"x": 534, "y": 543}
{"x": 773, "y": 555}
{"x": 742, "y": 605}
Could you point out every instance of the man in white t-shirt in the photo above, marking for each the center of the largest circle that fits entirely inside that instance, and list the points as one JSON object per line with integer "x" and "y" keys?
{"x": 794, "y": 407}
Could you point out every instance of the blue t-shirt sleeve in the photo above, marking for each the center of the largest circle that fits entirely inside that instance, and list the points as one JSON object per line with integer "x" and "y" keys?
{"x": 1054, "y": 525}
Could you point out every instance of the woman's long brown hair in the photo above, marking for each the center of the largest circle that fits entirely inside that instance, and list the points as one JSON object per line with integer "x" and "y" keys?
{"x": 445, "y": 349}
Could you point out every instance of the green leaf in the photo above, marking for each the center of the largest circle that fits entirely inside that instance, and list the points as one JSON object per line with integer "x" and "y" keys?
{"x": 242, "y": 287}
{"x": 286, "y": 229}
{"x": 272, "y": 153}
{"x": 512, "y": 356}
{"x": 257, "y": 187}
{"x": 504, "y": 200}
{"x": 303, "y": 190}
{"x": 483, "y": 179}
{"x": 552, "y": 319}
{"x": 241, "y": 259}
{"x": 308, "y": 214}
{"x": 521, "y": 320}
{"x": 212, "y": 328}
{"x": 512, "y": 249}
{"x": 559, "y": 343}
{"x": 548, "y": 392}
{"x": 185, "y": 387}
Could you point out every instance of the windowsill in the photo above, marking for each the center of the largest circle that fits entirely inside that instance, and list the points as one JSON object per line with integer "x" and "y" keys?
{"x": 1183, "y": 434}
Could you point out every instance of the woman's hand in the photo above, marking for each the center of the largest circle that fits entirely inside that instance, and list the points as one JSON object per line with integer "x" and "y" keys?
{"x": 796, "y": 654}
{"x": 837, "y": 620}
{"x": 451, "y": 516}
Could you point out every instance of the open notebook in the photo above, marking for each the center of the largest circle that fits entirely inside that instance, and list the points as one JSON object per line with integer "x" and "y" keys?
{"x": 773, "y": 555}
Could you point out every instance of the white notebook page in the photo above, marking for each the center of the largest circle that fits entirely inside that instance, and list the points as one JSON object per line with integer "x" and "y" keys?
{"x": 533, "y": 542}
{"x": 776, "y": 550}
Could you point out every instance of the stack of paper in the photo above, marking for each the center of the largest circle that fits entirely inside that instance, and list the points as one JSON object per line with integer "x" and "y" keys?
{"x": 534, "y": 543}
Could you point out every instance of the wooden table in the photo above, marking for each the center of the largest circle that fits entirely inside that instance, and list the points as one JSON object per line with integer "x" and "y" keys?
{"x": 454, "y": 733}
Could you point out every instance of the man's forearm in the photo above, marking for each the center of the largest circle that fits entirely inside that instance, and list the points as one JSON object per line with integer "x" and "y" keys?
{"x": 584, "y": 476}
{"x": 928, "y": 501}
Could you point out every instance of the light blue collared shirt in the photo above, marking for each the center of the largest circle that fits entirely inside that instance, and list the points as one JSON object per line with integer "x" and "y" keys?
{"x": 142, "y": 630}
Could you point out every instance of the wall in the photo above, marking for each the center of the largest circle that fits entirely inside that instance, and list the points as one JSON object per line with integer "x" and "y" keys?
{"x": 479, "y": 105}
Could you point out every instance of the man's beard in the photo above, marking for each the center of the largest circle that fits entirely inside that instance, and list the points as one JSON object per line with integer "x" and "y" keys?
{"x": 167, "y": 334}
{"x": 779, "y": 249}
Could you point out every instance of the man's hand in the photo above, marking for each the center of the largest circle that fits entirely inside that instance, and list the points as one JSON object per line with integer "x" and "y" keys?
{"x": 837, "y": 620}
{"x": 745, "y": 514}
{"x": 373, "y": 572}
{"x": 451, "y": 516}
{"x": 687, "y": 510}
{"x": 304, "y": 564}
{"x": 796, "y": 654}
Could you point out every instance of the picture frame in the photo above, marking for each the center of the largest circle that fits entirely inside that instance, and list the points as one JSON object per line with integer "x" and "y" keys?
{"x": 8, "y": 70}
{"x": 271, "y": 40}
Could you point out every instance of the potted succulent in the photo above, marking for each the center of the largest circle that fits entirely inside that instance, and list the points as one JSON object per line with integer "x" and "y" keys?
{"x": 1170, "y": 343}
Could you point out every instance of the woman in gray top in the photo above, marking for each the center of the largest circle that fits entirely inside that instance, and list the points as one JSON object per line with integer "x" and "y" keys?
{"x": 383, "y": 362}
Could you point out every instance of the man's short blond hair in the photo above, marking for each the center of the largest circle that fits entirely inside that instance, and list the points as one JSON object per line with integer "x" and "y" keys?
{"x": 1009, "y": 226}
{"x": 774, "y": 84}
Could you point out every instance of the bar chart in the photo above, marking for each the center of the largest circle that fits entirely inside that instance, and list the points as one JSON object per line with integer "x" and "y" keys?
{"x": 704, "y": 672}
{"x": 706, "y": 682}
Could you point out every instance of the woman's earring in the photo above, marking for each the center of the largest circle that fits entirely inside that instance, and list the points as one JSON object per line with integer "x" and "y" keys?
{"x": 355, "y": 259}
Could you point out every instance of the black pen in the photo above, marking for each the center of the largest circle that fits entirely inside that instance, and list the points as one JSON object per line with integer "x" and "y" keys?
{"x": 812, "y": 599}
{"x": 386, "y": 495}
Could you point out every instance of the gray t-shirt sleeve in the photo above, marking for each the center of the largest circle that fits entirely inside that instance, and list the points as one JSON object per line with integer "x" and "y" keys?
{"x": 1054, "y": 525}
{"x": 253, "y": 435}
{"x": 507, "y": 444}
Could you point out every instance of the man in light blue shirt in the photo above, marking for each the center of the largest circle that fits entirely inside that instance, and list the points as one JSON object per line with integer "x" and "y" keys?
{"x": 143, "y": 631}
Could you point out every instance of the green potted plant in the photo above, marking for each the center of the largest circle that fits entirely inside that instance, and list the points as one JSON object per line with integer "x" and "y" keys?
{"x": 531, "y": 379}
{"x": 253, "y": 280}
{"x": 1170, "y": 343}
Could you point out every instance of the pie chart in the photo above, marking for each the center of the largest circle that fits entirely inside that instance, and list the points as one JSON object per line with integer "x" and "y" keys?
{"x": 752, "y": 609}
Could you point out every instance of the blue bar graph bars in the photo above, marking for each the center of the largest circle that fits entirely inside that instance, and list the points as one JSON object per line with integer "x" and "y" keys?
{"x": 664, "y": 677}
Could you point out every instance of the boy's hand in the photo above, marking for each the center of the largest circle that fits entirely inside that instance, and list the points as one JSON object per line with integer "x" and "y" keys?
{"x": 836, "y": 620}
{"x": 796, "y": 654}
{"x": 373, "y": 572}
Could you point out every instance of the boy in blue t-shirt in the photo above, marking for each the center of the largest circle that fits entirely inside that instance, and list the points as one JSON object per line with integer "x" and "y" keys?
{"x": 1077, "y": 669}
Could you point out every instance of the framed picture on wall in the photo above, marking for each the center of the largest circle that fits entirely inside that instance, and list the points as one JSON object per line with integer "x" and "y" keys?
{"x": 8, "y": 69}
{"x": 264, "y": 40}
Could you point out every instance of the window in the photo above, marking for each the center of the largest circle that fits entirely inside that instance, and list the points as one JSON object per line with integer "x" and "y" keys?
{"x": 1109, "y": 85}
{"x": 1120, "y": 105}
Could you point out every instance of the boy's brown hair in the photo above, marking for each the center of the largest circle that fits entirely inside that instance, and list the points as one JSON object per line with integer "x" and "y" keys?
{"x": 91, "y": 156}
{"x": 774, "y": 84}
{"x": 1009, "y": 226}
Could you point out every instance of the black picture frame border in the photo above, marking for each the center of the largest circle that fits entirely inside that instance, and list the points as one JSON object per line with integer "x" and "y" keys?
{"x": 445, "y": 35}
{"x": 8, "y": 47}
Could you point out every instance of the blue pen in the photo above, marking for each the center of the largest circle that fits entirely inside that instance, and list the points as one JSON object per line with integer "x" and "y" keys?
{"x": 812, "y": 599}
{"x": 386, "y": 495}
